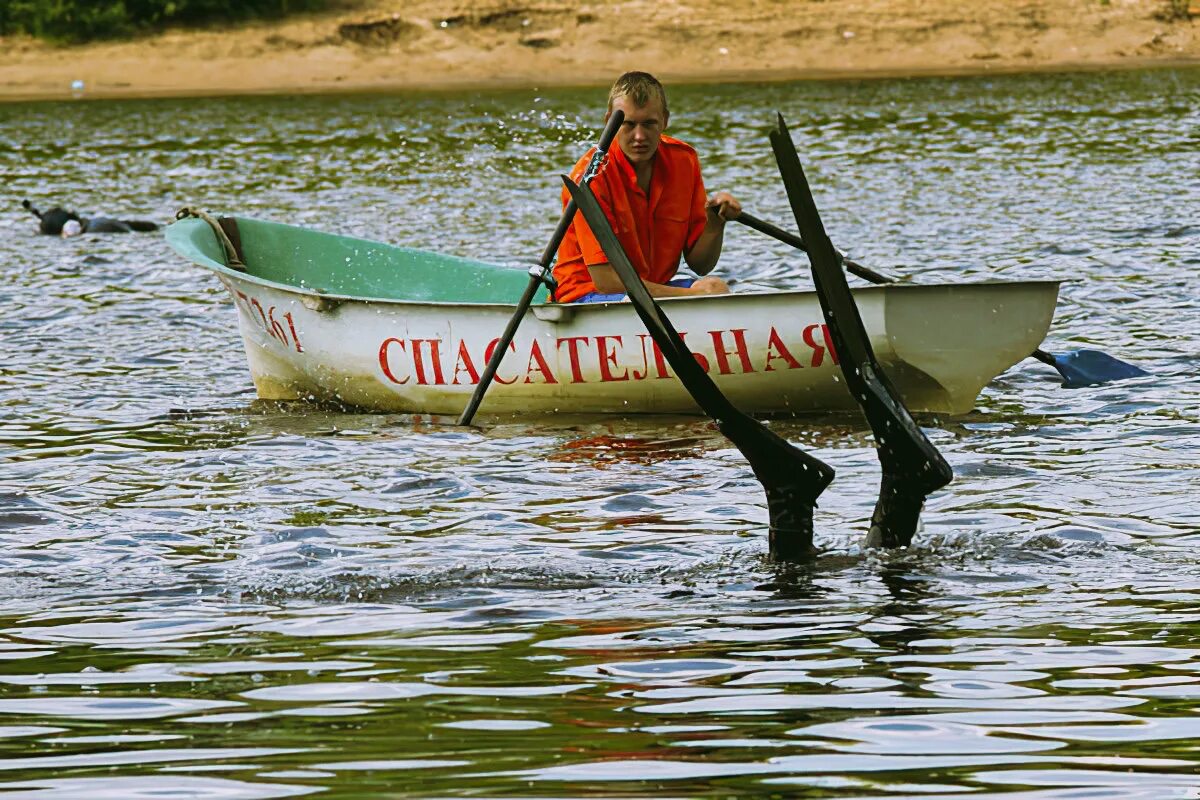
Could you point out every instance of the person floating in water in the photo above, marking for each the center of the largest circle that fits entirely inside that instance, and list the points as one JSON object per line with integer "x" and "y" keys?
{"x": 653, "y": 195}
{"x": 60, "y": 222}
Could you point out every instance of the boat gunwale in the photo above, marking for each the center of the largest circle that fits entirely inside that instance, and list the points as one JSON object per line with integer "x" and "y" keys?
{"x": 240, "y": 275}
{"x": 391, "y": 301}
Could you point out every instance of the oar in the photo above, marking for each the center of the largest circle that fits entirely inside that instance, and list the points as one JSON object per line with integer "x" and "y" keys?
{"x": 1078, "y": 367}
{"x": 541, "y": 273}
{"x": 791, "y": 478}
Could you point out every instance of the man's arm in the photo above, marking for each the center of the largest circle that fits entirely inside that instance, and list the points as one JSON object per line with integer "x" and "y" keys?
{"x": 704, "y": 254}
{"x": 607, "y": 282}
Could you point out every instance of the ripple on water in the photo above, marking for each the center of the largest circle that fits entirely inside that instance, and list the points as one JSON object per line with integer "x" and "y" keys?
{"x": 150, "y": 787}
{"x": 206, "y": 595}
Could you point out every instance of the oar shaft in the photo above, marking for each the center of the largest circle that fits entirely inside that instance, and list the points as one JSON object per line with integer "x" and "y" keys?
{"x": 489, "y": 372}
{"x": 560, "y": 232}
{"x": 912, "y": 467}
{"x": 538, "y": 275}
{"x": 1044, "y": 357}
{"x": 853, "y": 267}
{"x": 771, "y": 230}
{"x": 615, "y": 120}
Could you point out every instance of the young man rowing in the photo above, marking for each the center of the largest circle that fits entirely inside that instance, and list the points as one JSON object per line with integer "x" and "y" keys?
{"x": 652, "y": 193}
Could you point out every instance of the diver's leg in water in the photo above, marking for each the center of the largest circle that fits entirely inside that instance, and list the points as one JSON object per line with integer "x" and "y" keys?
{"x": 912, "y": 466}
{"x": 105, "y": 225}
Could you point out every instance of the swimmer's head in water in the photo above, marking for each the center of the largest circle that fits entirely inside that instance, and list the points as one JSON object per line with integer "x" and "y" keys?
{"x": 71, "y": 227}
{"x": 54, "y": 220}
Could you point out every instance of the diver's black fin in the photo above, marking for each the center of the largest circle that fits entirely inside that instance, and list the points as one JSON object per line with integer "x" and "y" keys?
{"x": 912, "y": 466}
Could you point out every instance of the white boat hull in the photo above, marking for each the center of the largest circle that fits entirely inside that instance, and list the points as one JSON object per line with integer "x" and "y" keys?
{"x": 768, "y": 352}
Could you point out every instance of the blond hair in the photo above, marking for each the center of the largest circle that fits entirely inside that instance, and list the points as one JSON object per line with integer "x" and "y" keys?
{"x": 641, "y": 88}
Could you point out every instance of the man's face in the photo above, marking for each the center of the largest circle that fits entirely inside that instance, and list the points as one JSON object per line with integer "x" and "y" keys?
{"x": 643, "y": 128}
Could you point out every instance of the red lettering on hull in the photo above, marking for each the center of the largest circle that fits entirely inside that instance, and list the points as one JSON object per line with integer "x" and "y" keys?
{"x": 537, "y": 362}
{"x": 573, "y": 343}
{"x": 385, "y": 363}
{"x": 487, "y": 356}
{"x": 602, "y": 358}
{"x": 819, "y": 349}
{"x": 464, "y": 363}
{"x": 739, "y": 348}
{"x": 435, "y": 361}
{"x": 609, "y": 357}
{"x": 777, "y": 349}
{"x": 265, "y": 318}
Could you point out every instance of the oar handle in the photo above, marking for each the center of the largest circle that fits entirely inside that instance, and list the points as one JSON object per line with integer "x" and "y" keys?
{"x": 866, "y": 273}
{"x": 615, "y": 120}
{"x": 538, "y": 274}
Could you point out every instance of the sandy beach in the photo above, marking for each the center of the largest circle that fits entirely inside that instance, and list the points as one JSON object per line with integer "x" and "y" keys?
{"x": 422, "y": 44}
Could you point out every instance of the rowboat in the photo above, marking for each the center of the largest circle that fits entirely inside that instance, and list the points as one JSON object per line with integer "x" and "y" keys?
{"x": 380, "y": 327}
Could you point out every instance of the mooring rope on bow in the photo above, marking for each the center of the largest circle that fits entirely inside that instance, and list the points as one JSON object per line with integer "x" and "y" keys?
{"x": 231, "y": 255}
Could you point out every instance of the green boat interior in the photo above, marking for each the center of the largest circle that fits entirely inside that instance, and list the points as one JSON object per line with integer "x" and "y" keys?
{"x": 343, "y": 266}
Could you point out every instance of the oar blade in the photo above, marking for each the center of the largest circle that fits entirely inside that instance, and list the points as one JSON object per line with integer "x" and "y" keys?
{"x": 791, "y": 478}
{"x": 1091, "y": 367}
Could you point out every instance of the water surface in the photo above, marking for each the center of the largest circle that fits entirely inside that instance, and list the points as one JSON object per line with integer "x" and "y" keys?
{"x": 204, "y": 595}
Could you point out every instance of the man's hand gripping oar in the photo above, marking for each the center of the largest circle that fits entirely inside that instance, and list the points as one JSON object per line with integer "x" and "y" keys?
{"x": 791, "y": 478}
{"x": 541, "y": 273}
